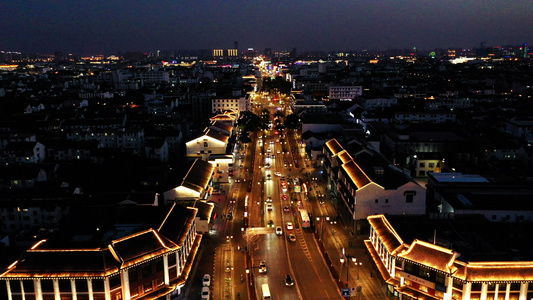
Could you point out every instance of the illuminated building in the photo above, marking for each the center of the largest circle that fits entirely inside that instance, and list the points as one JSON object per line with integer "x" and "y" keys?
{"x": 233, "y": 52}
{"x": 366, "y": 184}
{"x": 424, "y": 270}
{"x": 144, "y": 262}
{"x": 345, "y": 92}
{"x": 219, "y": 104}
{"x": 218, "y": 53}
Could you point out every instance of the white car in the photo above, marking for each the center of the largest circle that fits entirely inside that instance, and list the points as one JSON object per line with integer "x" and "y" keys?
{"x": 205, "y": 293}
{"x": 279, "y": 231}
{"x": 289, "y": 226}
{"x": 206, "y": 280}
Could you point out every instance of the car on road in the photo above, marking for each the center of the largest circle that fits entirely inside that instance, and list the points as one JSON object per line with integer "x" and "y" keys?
{"x": 269, "y": 177}
{"x": 267, "y": 166}
{"x": 205, "y": 293}
{"x": 289, "y": 226}
{"x": 277, "y": 173}
{"x": 262, "y": 267}
{"x": 270, "y": 223}
{"x": 286, "y": 208}
{"x": 288, "y": 280}
{"x": 206, "y": 280}
{"x": 279, "y": 231}
{"x": 292, "y": 238}
{"x": 270, "y": 207}
{"x": 284, "y": 197}
{"x": 269, "y": 199}
{"x": 278, "y": 152}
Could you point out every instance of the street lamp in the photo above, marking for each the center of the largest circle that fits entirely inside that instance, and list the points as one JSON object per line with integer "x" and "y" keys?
{"x": 346, "y": 258}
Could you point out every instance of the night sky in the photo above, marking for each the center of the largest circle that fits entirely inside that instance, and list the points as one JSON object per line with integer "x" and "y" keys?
{"x": 109, "y": 26}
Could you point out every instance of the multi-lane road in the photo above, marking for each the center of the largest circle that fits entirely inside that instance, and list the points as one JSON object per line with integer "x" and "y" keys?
{"x": 273, "y": 178}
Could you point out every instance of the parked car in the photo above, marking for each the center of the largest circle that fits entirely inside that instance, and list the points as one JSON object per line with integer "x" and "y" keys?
{"x": 289, "y": 226}
{"x": 206, "y": 280}
{"x": 286, "y": 208}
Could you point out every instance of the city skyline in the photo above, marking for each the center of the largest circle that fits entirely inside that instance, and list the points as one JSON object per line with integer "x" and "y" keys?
{"x": 121, "y": 26}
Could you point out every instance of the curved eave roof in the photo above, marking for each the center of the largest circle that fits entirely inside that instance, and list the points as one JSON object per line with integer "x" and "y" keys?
{"x": 430, "y": 255}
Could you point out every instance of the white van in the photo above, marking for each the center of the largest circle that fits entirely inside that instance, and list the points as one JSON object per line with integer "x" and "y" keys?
{"x": 266, "y": 291}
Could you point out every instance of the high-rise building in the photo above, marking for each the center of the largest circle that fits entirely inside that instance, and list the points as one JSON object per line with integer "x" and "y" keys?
{"x": 233, "y": 52}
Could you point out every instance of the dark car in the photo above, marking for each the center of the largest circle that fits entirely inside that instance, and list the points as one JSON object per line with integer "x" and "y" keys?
{"x": 288, "y": 280}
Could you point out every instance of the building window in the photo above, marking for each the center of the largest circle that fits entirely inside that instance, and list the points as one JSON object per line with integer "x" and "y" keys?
{"x": 206, "y": 145}
{"x": 431, "y": 165}
{"x": 146, "y": 270}
{"x": 476, "y": 286}
{"x": 114, "y": 282}
{"x": 172, "y": 259}
{"x": 376, "y": 201}
{"x": 81, "y": 285}
{"x": 409, "y": 197}
{"x": 422, "y": 165}
{"x": 98, "y": 285}
{"x": 132, "y": 274}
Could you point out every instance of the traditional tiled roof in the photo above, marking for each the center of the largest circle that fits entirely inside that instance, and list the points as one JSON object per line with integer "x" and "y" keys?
{"x": 217, "y": 135}
{"x": 386, "y": 233}
{"x": 344, "y": 156}
{"x": 222, "y": 117}
{"x": 64, "y": 263}
{"x": 198, "y": 176}
{"x": 139, "y": 247}
{"x": 355, "y": 173}
{"x": 44, "y": 261}
{"x": 177, "y": 223}
{"x": 334, "y": 146}
{"x": 498, "y": 271}
{"x": 222, "y": 126}
{"x": 430, "y": 255}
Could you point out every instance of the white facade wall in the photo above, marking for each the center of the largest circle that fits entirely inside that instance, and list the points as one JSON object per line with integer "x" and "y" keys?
{"x": 205, "y": 145}
{"x": 392, "y": 202}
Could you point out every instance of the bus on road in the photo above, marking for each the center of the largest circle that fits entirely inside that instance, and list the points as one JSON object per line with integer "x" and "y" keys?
{"x": 266, "y": 291}
{"x": 304, "y": 218}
